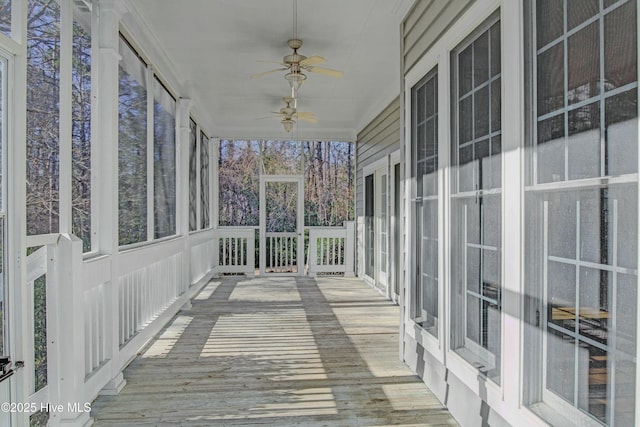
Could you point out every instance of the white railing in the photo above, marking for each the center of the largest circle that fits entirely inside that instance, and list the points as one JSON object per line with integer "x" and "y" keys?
{"x": 281, "y": 252}
{"x": 36, "y": 366}
{"x": 331, "y": 250}
{"x": 235, "y": 250}
{"x": 202, "y": 253}
{"x": 100, "y": 311}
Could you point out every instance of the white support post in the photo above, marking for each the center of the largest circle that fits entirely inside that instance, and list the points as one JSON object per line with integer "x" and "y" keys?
{"x": 108, "y": 60}
{"x": 312, "y": 259}
{"x": 65, "y": 171}
{"x": 183, "y": 132}
{"x": 214, "y": 155}
{"x": 349, "y": 249}
{"x": 67, "y": 365}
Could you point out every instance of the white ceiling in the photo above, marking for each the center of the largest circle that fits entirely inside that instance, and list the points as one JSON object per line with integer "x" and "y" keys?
{"x": 214, "y": 46}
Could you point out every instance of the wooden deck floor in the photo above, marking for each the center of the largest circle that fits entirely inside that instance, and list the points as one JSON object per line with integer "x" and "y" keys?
{"x": 277, "y": 352}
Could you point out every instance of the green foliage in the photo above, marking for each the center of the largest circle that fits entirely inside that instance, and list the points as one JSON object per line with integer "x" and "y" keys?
{"x": 328, "y": 181}
{"x": 40, "y": 331}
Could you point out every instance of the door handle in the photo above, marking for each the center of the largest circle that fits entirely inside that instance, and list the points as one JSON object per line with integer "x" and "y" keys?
{"x": 5, "y": 368}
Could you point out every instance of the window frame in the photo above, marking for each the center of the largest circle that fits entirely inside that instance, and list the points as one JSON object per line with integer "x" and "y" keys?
{"x": 473, "y": 353}
{"x": 151, "y": 76}
{"x": 536, "y": 395}
{"x": 416, "y": 241}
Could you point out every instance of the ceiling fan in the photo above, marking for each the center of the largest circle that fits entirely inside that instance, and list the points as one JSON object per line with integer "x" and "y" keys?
{"x": 288, "y": 114}
{"x": 295, "y": 63}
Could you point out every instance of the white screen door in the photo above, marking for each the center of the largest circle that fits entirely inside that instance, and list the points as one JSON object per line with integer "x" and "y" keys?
{"x": 7, "y": 380}
{"x": 281, "y": 224}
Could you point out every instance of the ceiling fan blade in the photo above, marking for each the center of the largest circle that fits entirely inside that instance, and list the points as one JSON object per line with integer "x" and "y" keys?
{"x": 306, "y": 116}
{"x": 272, "y": 62}
{"x": 308, "y": 119}
{"x": 312, "y": 60}
{"x": 326, "y": 71}
{"x": 255, "y": 76}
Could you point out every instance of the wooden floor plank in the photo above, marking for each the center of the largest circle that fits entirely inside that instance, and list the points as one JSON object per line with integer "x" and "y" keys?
{"x": 275, "y": 352}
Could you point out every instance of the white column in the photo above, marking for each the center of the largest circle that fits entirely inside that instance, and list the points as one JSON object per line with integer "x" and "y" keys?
{"x": 106, "y": 150}
{"x": 183, "y": 137}
{"x": 65, "y": 301}
{"x": 214, "y": 182}
{"x": 16, "y": 212}
{"x": 512, "y": 162}
{"x": 349, "y": 250}
{"x": 65, "y": 172}
{"x": 182, "y": 165}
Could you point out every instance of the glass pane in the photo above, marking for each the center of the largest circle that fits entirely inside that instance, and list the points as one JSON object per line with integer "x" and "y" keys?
{"x": 561, "y": 364}
{"x": 281, "y": 209}
{"x": 584, "y": 142}
{"x": 491, "y": 220}
{"x": 620, "y": 46}
{"x": 164, "y": 162}
{"x": 474, "y": 321}
{"x": 204, "y": 181}
{"x": 132, "y": 148}
{"x": 481, "y": 112}
{"x": 496, "y": 163}
{"x": 562, "y": 226}
{"x": 495, "y": 50}
{"x": 81, "y": 128}
{"x": 473, "y": 269}
{"x": 596, "y": 220}
{"x": 281, "y": 157}
{"x": 593, "y": 381}
{"x": 420, "y": 104}
{"x": 551, "y": 82}
{"x": 550, "y": 149}
{"x": 465, "y": 81}
{"x": 239, "y": 185}
{"x": 193, "y": 174}
{"x": 626, "y": 206}
{"x": 584, "y": 64}
{"x": 482, "y": 158}
{"x": 550, "y": 20}
{"x": 40, "y": 332}
{"x": 581, "y": 10}
{"x": 466, "y": 169}
{"x": 43, "y": 116}
{"x": 465, "y": 116}
{"x": 621, "y": 132}
{"x": 561, "y": 294}
{"x": 481, "y": 59}
{"x": 5, "y": 17}
{"x": 496, "y": 107}
{"x": 369, "y": 226}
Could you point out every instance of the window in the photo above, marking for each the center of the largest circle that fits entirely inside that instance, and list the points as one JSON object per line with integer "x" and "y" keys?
{"x": 3, "y": 207}
{"x": 369, "y": 229}
{"x": 5, "y": 17}
{"x": 164, "y": 161}
{"x": 582, "y": 210}
{"x": 81, "y": 127}
{"x": 383, "y": 218}
{"x": 132, "y": 147}
{"x": 147, "y": 158}
{"x": 424, "y": 171}
{"x": 43, "y": 116}
{"x": 476, "y": 212}
{"x": 193, "y": 176}
{"x": 204, "y": 181}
